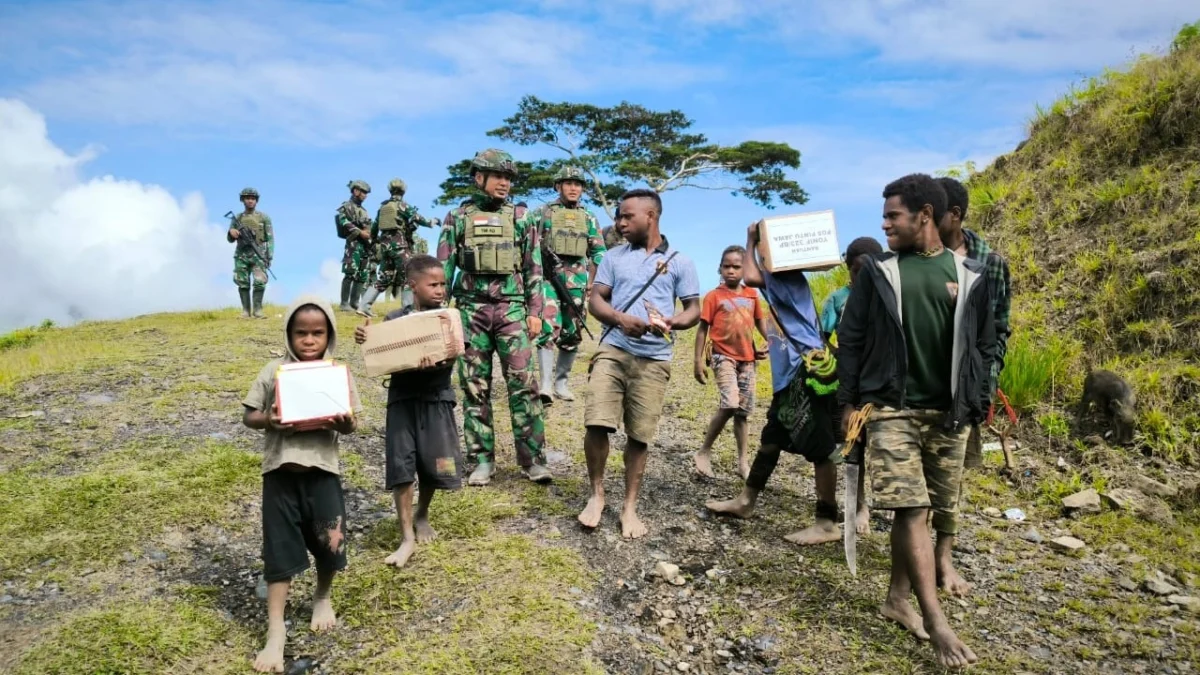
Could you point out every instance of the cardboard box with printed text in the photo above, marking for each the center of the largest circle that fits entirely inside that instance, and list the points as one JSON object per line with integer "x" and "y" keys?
{"x": 413, "y": 342}
{"x": 804, "y": 241}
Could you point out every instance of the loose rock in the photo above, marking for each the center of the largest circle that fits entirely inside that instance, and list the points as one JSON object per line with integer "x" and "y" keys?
{"x": 1087, "y": 501}
{"x": 1152, "y": 487}
{"x": 1032, "y": 535}
{"x": 1159, "y": 587}
{"x": 1191, "y": 604}
{"x": 1128, "y": 584}
{"x": 992, "y": 512}
{"x": 1068, "y": 544}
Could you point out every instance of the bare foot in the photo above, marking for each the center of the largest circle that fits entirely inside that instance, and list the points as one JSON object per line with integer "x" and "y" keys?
{"x": 399, "y": 558}
{"x": 631, "y": 526}
{"x": 270, "y": 659}
{"x": 744, "y": 467}
{"x": 949, "y": 579}
{"x": 703, "y": 462}
{"x": 821, "y": 532}
{"x": 592, "y": 512}
{"x": 323, "y": 616}
{"x": 862, "y": 521}
{"x": 425, "y": 531}
{"x": 902, "y": 613}
{"x": 951, "y": 652}
{"x": 738, "y": 507}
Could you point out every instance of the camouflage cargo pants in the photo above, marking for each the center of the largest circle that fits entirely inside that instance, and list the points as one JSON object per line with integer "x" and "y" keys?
{"x": 392, "y": 257}
{"x": 566, "y": 333}
{"x": 248, "y": 270}
{"x": 914, "y": 462}
{"x": 356, "y": 260}
{"x": 499, "y": 328}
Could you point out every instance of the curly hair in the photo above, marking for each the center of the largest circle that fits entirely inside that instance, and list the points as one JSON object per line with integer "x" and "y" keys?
{"x": 420, "y": 264}
{"x": 917, "y": 190}
{"x": 956, "y": 195}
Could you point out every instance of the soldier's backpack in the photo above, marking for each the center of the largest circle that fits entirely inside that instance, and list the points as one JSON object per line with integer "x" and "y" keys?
{"x": 389, "y": 215}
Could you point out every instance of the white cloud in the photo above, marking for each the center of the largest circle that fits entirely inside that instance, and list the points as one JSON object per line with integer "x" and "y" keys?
{"x": 95, "y": 249}
{"x": 328, "y": 283}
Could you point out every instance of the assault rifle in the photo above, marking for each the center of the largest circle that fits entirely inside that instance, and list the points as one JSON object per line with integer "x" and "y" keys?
{"x": 246, "y": 235}
{"x": 575, "y": 312}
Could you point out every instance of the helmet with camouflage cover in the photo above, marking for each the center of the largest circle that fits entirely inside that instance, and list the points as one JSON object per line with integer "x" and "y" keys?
{"x": 569, "y": 173}
{"x": 360, "y": 184}
{"x": 494, "y": 160}
{"x": 397, "y": 186}
{"x": 248, "y": 192}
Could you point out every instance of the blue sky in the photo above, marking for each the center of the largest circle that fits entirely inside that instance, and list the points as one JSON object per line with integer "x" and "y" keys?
{"x": 131, "y": 126}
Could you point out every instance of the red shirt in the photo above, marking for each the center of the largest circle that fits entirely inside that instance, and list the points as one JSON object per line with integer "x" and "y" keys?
{"x": 731, "y": 316}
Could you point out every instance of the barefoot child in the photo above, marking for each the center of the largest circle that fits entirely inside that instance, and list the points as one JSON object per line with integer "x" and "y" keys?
{"x": 917, "y": 342}
{"x": 421, "y": 436}
{"x": 302, "y": 506}
{"x": 800, "y": 420}
{"x": 729, "y": 315}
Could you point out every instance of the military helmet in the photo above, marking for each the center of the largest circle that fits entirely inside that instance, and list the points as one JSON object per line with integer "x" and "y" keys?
{"x": 494, "y": 160}
{"x": 569, "y": 173}
{"x": 360, "y": 184}
{"x": 248, "y": 192}
{"x": 397, "y": 186}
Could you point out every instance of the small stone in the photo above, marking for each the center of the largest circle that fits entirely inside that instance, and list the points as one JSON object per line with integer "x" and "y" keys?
{"x": 683, "y": 666}
{"x": 1127, "y": 584}
{"x": 260, "y": 590}
{"x": 1120, "y": 499}
{"x": 219, "y": 436}
{"x": 711, "y": 573}
{"x": 6, "y": 599}
{"x": 28, "y": 414}
{"x": 670, "y": 614}
{"x": 1135, "y": 559}
{"x": 301, "y": 666}
{"x": 1087, "y": 501}
{"x": 1187, "y": 602}
{"x": 992, "y": 512}
{"x": 1062, "y": 463}
{"x": 157, "y": 556}
{"x": 1152, "y": 487}
{"x": 1159, "y": 587}
{"x": 1032, "y": 535}
{"x": 98, "y": 399}
{"x": 666, "y": 570}
{"x": 723, "y": 656}
{"x": 1067, "y": 544}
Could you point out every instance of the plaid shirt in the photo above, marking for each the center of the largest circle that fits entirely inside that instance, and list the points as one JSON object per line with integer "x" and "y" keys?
{"x": 1001, "y": 287}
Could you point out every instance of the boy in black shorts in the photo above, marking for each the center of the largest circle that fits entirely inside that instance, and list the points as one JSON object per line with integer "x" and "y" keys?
{"x": 302, "y": 506}
{"x": 421, "y": 435}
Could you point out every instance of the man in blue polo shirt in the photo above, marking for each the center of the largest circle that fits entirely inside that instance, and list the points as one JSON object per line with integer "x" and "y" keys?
{"x": 628, "y": 375}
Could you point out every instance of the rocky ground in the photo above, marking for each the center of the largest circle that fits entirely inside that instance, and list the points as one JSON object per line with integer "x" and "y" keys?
{"x": 130, "y": 541}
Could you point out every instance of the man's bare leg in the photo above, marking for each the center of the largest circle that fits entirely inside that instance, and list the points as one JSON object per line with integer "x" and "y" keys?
{"x": 270, "y": 659}
{"x": 425, "y": 531}
{"x": 897, "y": 606}
{"x": 862, "y": 518}
{"x": 323, "y": 617}
{"x": 636, "y": 454}
{"x": 825, "y": 529}
{"x": 742, "y": 506}
{"x": 703, "y": 457}
{"x": 404, "y": 512}
{"x": 947, "y": 576}
{"x": 595, "y": 448}
{"x": 740, "y": 433}
{"x": 910, "y": 539}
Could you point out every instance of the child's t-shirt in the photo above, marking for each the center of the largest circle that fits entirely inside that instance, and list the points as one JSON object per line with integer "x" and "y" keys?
{"x": 792, "y": 328}
{"x": 314, "y": 449}
{"x": 432, "y": 384}
{"x": 731, "y": 316}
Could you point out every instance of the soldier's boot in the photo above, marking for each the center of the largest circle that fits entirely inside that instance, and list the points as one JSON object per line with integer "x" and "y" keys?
{"x": 355, "y": 293}
{"x": 482, "y": 475}
{"x": 244, "y": 294}
{"x": 258, "y": 296}
{"x": 364, "y": 305}
{"x": 538, "y": 473}
{"x": 406, "y": 298}
{"x": 562, "y": 370}
{"x": 546, "y": 365}
{"x": 346, "y": 283}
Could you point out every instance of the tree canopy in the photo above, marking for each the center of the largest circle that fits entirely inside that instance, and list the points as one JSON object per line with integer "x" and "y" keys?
{"x": 626, "y": 144}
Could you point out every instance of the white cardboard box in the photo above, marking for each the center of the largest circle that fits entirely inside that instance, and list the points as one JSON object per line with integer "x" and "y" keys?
{"x": 312, "y": 391}
{"x": 804, "y": 241}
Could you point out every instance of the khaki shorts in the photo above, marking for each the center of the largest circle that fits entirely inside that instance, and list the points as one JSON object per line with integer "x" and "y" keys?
{"x": 626, "y": 388}
{"x": 915, "y": 463}
{"x": 735, "y": 383}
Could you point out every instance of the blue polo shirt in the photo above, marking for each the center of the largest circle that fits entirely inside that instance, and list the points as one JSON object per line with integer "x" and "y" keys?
{"x": 625, "y": 270}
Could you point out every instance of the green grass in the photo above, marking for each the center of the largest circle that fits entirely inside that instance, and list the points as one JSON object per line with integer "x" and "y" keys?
{"x": 1033, "y": 366}
{"x": 23, "y": 337}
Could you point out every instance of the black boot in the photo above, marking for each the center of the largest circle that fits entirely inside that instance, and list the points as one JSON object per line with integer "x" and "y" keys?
{"x": 356, "y": 290}
{"x": 258, "y": 296}
{"x": 244, "y": 294}
{"x": 346, "y": 283}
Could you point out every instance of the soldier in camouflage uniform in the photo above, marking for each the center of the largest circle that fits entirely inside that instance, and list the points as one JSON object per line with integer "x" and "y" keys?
{"x": 572, "y": 233}
{"x": 248, "y": 270}
{"x": 395, "y": 225}
{"x": 612, "y": 237}
{"x": 495, "y": 250}
{"x": 354, "y": 225}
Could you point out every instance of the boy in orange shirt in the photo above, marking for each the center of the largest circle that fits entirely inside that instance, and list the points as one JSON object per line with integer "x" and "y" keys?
{"x": 729, "y": 315}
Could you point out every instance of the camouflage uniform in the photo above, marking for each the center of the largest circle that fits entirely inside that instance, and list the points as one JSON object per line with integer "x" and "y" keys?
{"x": 248, "y": 270}
{"x": 612, "y": 238}
{"x": 494, "y": 306}
{"x": 392, "y": 234}
{"x": 351, "y": 218}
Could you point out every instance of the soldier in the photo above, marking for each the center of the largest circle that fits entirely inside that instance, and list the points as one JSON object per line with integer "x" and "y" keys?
{"x": 393, "y": 236}
{"x": 495, "y": 249}
{"x": 354, "y": 225}
{"x": 570, "y": 232}
{"x": 247, "y": 267}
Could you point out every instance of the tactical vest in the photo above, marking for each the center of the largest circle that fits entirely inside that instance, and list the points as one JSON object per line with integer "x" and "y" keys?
{"x": 255, "y": 223}
{"x": 569, "y": 232}
{"x": 355, "y": 214}
{"x": 489, "y": 242}
{"x": 389, "y": 215}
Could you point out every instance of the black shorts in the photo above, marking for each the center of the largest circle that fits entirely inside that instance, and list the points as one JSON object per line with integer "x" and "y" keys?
{"x": 801, "y": 422}
{"x": 422, "y": 444}
{"x": 302, "y": 512}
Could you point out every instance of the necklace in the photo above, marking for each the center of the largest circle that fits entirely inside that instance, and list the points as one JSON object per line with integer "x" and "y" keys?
{"x": 931, "y": 252}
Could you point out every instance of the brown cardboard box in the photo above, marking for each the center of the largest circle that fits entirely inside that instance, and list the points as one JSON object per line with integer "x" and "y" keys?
{"x": 804, "y": 241}
{"x": 413, "y": 342}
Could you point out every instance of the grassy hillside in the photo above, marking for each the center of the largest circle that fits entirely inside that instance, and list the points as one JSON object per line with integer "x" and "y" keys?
{"x": 1099, "y": 215}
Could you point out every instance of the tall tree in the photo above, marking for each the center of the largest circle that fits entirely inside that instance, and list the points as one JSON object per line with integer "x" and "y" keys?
{"x": 626, "y": 144}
